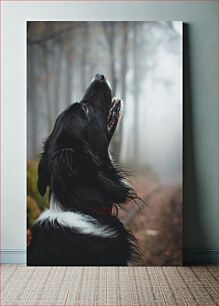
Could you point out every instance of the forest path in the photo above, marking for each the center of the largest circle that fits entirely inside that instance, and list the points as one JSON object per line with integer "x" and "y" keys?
{"x": 157, "y": 224}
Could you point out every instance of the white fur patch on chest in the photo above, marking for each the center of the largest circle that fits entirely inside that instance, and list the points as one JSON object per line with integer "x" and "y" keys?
{"x": 82, "y": 223}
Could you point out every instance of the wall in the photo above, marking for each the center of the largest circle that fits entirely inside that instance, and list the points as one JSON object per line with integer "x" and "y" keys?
{"x": 200, "y": 111}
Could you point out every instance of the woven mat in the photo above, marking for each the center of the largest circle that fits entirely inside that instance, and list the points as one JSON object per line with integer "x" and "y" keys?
{"x": 108, "y": 286}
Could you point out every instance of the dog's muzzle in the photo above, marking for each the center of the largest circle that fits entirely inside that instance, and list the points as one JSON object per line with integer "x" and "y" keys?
{"x": 113, "y": 116}
{"x": 99, "y": 77}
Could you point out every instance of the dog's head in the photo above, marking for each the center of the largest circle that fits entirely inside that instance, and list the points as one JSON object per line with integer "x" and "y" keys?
{"x": 75, "y": 162}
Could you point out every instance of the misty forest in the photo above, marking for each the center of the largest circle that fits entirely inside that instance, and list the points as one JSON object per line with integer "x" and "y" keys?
{"x": 143, "y": 63}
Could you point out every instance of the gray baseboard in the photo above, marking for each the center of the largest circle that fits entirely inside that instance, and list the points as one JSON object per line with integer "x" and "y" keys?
{"x": 13, "y": 256}
{"x": 190, "y": 257}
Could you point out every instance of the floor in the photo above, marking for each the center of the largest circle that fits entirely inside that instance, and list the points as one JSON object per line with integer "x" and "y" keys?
{"x": 108, "y": 286}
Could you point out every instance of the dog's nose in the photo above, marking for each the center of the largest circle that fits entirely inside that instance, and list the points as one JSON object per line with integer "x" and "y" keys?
{"x": 99, "y": 77}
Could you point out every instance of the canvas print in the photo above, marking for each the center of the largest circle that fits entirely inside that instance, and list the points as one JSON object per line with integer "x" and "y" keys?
{"x": 104, "y": 143}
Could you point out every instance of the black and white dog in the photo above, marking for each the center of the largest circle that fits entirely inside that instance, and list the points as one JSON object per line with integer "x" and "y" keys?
{"x": 79, "y": 228}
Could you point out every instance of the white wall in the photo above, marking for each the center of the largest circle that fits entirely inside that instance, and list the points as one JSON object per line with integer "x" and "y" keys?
{"x": 201, "y": 214}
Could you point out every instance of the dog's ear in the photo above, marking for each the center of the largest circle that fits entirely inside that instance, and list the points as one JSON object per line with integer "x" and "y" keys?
{"x": 43, "y": 175}
{"x": 43, "y": 172}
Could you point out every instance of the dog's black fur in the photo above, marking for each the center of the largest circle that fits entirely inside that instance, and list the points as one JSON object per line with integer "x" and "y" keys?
{"x": 82, "y": 178}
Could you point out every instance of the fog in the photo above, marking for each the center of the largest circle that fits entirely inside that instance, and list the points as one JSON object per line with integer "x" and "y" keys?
{"x": 142, "y": 61}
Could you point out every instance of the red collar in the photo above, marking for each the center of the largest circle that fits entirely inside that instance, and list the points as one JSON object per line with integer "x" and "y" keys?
{"x": 104, "y": 211}
{"x": 108, "y": 211}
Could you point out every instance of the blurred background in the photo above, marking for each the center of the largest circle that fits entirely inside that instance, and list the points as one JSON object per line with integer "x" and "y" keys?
{"x": 143, "y": 62}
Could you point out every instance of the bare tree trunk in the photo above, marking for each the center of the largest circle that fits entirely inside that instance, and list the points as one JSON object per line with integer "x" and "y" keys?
{"x": 110, "y": 33}
{"x": 69, "y": 78}
{"x": 47, "y": 87}
{"x": 57, "y": 81}
{"x": 84, "y": 53}
{"x": 123, "y": 72}
{"x": 31, "y": 97}
{"x": 69, "y": 57}
{"x": 112, "y": 59}
{"x": 124, "y": 61}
